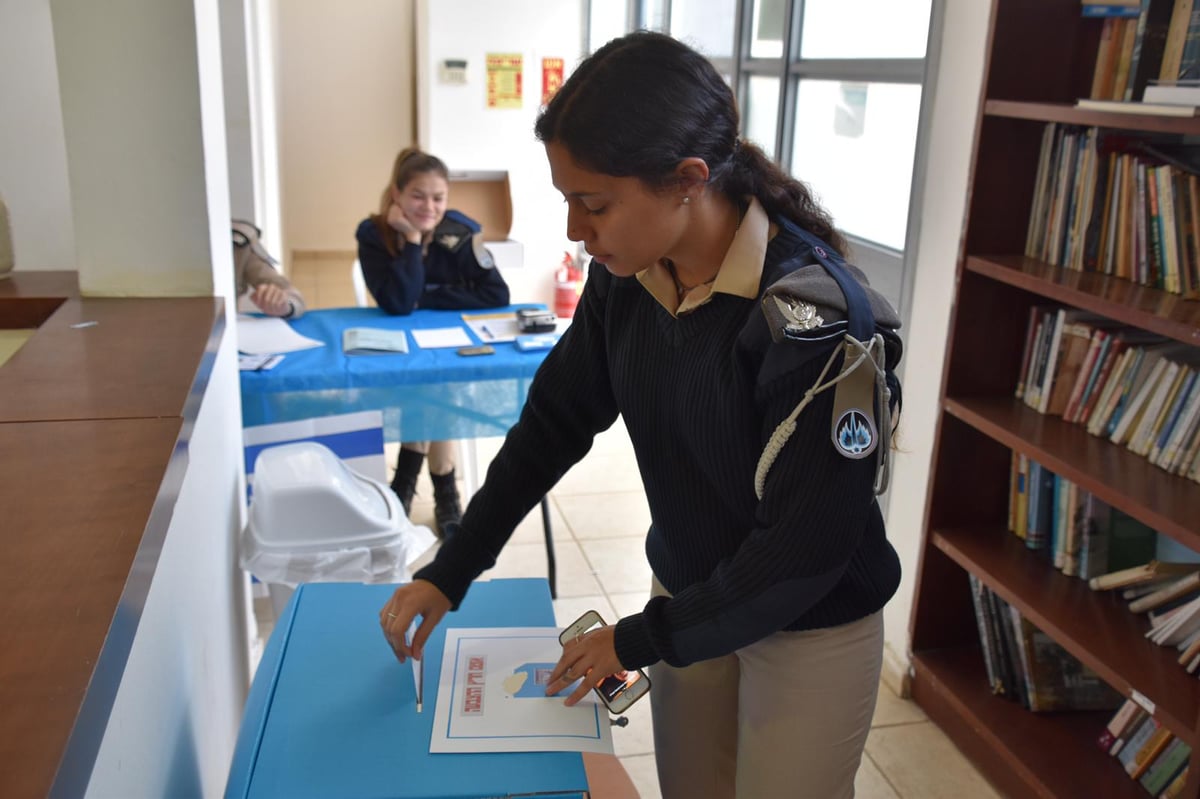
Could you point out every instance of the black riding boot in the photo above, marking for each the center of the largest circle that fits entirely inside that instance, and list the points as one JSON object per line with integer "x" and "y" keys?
{"x": 446, "y": 507}
{"x": 404, "y": 481}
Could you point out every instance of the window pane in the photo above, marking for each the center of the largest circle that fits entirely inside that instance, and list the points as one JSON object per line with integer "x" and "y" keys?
{"x": 762, "y": 112}
{"x": 707, "y": 25}
{"x": 766, "y": 32}
{"x": 653, "y": 15}
{"x": 606, "y": 22}
{"x": 865, "y": 29}
{"x": 854, "y": 145}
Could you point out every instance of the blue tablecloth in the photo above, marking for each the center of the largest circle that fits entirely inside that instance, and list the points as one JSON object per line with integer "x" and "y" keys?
{"x": 433, "y": 394}
{"x": 332, "y": 713}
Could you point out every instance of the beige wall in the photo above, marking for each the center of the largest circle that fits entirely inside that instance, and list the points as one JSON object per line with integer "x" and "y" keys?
{"x": 346, "y": 107}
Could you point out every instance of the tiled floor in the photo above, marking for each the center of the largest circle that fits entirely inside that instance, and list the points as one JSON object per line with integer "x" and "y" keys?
{"x": 599, "y": 517}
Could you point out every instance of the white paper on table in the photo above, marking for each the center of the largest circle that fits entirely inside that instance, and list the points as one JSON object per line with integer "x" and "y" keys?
{"x": 492, "y": 696}
{"x": 493, "y": 328}
{"x": 263, "y": 334}
{"x": 432, "y": 338}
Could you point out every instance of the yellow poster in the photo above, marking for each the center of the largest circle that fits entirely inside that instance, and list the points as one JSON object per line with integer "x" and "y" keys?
{"x": 504, "y": 80}
{"x": 552, "y": 77}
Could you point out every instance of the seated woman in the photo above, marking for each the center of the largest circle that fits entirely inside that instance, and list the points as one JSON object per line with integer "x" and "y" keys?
{"x": 417, "y": 254}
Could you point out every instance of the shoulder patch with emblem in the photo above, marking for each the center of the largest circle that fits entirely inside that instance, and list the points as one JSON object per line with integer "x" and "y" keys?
{"x": 482, "y": 256}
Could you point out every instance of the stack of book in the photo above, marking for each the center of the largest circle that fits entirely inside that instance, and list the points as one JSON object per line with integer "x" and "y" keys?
{"x": 1136, "y": 389}
{"x": 1027, "y": 666}
{"x": 1078, "y": 532}
{"x": 1143, "y": 41}
{"x": 1117, "y": 206}
{"x": 1147, "y": 750}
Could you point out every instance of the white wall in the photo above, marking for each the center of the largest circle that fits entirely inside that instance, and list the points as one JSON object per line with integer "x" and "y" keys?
{"x": 455, "y": 123}
{"x": 950, "y": 141}
{"x": 146, "y": 200}
{"x": 33, "y": 152}
{"x": 239, "y": 140}
{"x": 175, "y": 719}
{"x": 346, "y": 96}
{"x": 129, "y": 84}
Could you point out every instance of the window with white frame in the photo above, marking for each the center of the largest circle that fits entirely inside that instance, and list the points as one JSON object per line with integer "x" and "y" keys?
{"x": 831, "y": 88}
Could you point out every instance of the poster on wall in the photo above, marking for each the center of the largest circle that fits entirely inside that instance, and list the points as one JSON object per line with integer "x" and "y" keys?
{"x": 552, "y": 77}
{"x": 504, "y": 80}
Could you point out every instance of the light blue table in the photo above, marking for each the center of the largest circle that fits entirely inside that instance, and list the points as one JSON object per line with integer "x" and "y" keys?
{"x": 433, "y": 395}
{"x": 332, "y": 713}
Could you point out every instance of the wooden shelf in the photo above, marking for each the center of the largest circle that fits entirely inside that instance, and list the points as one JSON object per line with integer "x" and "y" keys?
{"x": 1129, "y": 482}
{"x": 1067, "y": 113}
{"x": 1026, "y": 754}
{"x": 1140, "y": 306}
{"x": 1040, "y": 58}
{"x": 1095, "y": 627}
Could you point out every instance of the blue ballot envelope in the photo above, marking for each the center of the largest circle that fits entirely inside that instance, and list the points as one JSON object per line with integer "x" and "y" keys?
{"x": 332, "y": 712}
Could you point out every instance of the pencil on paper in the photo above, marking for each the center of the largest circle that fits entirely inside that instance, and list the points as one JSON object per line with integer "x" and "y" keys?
{"x": 489, "y": 333}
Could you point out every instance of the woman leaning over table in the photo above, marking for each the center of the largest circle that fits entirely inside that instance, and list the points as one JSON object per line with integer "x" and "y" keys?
{"x": 417, "y": 254}
{"x": 763, "y": 632}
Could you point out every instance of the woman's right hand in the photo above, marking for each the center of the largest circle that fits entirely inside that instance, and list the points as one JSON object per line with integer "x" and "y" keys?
{"x": 398, "y": 222}
{"x": 418, "y": 598}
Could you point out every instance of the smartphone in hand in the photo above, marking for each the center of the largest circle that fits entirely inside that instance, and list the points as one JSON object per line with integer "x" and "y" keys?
{"x": 617, "y": 691}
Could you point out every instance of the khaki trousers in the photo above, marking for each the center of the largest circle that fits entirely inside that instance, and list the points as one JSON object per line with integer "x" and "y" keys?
{"x": 787, "y": 716}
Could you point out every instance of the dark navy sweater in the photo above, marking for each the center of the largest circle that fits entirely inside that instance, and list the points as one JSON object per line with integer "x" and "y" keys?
{"x": 700, "y": 396}
{"x": 441, "y": 277}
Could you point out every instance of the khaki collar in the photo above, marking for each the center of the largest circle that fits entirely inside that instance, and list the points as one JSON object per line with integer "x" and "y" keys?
{"x": 740, "y": 272}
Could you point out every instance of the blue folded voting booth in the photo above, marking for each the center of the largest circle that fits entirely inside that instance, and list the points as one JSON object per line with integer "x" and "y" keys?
{"x": 332, "y": 712}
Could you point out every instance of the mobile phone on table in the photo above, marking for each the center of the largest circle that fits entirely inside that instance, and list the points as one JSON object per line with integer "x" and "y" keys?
{"x": 617, "y": 691}
{"x": 478, "y": 349}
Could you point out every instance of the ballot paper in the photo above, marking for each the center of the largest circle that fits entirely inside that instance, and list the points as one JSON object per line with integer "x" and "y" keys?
{"x": 268, "y": 334}
{"x": 492, "y": 696}
{"x": 437, "y": 337}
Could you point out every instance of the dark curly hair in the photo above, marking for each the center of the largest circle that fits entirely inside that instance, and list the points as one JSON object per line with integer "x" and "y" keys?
{"x": 644, "y": 102}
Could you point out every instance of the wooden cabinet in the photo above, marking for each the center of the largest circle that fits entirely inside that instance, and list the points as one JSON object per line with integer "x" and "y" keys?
{"x": 1040, "y": 58}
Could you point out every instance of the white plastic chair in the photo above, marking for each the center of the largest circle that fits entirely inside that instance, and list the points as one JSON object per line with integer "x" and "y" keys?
{"x": 360, "y": 285}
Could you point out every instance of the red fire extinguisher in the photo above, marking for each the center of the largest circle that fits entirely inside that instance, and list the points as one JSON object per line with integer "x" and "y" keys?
{"x": 567, "y": 288}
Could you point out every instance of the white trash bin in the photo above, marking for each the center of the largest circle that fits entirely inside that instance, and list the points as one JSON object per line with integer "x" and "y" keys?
{"x": 314, "y": 519}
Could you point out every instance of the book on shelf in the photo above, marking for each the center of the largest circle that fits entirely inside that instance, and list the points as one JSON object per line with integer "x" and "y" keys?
{"x": 373, "y": 341}
{"x": 1136, "y": 741}
{"x": 1171, "y": 761}
{"x": 1110, "y": 203}
{"x": 1187, "y": 584}
{"x": 1177, "y": 35}
{"x": 987, "y": 633}
{"x": 1146, "y": 572}
{"x": 1189, "y": 654}
{"x": 1177, "y": 625}
{"x": 1173, "y": 94}
{"x": 1093, "y": 518}
{"x": 1127, "y": 715}
{"x": 1150, "y": 751}
{"x": 1117, "y": 8}
{"x": 1173, "y": 418}
{"x": 1040, "y": 523}
{"x": 1175, "y": 787}
{"x": 1122, "y": 726}
{"x": 1136, "y": 107}
{"x": 1055, "y": 679}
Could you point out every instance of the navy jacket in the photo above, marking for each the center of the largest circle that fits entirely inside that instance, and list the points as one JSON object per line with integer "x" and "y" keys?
{"x": 449, "y": 276}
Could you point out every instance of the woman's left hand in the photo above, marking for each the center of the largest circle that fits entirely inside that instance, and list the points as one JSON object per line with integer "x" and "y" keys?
{"x": 589, "y": 658}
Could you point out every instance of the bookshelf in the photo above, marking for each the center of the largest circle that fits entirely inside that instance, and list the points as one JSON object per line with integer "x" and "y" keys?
{"x": 1040, "y": 59}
